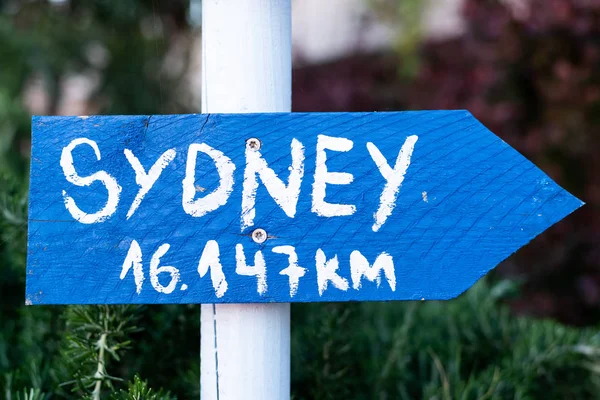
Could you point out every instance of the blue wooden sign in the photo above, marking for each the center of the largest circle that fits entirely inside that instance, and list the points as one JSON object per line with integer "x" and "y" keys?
{"x": 285, "y": 207}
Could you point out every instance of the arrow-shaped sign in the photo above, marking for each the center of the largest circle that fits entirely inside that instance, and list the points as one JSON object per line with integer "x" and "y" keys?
{"x": 276, "y": 207}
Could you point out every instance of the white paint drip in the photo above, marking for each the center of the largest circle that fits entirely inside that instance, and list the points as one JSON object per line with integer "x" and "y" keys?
{"x": 285, "y": 196}
{"x": 146, "y": 181}
{"x": 112, "y": 187}
{"x": 184, "y": 287}
{"x": 324, "y": 177}
{"x": 155, "y": 270}
{"x": 215, "y": 199}
{"x": 424, "y": 195}
{"x": 393, "y": 177}
{"x": 326, "y": 272}
{"x": 134, "y": 259}
{"x": 359, "y": 267}
{"x": 210, "y": 258}
{"x": 259, "y": 269}
{"x": 293, "y": 271}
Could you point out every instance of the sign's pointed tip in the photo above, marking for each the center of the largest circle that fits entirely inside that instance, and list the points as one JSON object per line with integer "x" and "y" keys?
{"x": 575, "y": 203}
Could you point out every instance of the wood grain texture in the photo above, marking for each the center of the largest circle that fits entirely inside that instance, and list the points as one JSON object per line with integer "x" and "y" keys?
{"x": 467, "y": 202}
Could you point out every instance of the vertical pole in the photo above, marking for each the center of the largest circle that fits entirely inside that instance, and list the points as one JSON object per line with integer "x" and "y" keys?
{"x": 246, "y": 67}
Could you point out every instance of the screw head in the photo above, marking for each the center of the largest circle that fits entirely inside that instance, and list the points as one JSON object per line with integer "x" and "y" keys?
{"x": 253, "y": 144}
{"x": 259, "y": 235}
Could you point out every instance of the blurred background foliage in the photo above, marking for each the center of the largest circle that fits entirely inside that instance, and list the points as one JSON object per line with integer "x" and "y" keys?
{"x": 529, "y": 70}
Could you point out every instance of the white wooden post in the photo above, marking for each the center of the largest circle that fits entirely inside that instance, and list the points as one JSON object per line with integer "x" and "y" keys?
{"x": 246, "y": 67}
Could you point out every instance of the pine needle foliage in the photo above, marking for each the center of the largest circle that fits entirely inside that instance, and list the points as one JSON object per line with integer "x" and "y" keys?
{"x": 31, "y": 394}
{"x": 97, "y": 335}
{"x": 139, "y": 390}
{"x": 468, "y": 348}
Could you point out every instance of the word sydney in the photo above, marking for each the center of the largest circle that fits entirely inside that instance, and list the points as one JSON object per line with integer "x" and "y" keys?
{"x": 256, "y": 168}
{"x": 284, "y": 207}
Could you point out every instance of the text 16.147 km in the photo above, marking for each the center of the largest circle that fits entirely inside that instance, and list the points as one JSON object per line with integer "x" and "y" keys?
{"x": 326, "y": 269}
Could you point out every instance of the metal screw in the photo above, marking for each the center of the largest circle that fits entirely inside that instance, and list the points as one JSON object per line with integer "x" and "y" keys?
{"x": 259, "y": 235}
{"x": 253, "y": 144}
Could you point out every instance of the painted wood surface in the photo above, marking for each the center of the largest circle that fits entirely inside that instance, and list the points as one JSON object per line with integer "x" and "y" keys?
{"x": 465, "y": 201}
